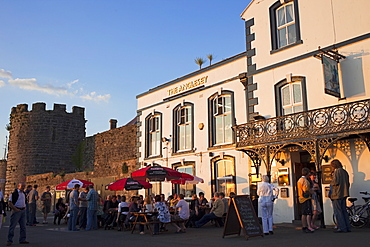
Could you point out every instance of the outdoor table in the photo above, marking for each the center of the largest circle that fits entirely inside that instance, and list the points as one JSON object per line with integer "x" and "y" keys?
{"x": 146, "y": 216}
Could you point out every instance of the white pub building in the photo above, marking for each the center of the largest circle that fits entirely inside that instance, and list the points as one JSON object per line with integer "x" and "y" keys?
{"x": 299, "y": 96}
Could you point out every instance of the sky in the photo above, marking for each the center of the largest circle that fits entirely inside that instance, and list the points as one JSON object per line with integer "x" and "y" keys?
{"x": 100, "y": 54}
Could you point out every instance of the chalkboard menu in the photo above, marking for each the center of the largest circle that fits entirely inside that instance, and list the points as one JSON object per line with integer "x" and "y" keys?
{"x": 241, "y": 215}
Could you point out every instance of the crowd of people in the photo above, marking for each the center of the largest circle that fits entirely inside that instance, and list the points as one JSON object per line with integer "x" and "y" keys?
{"x": 85, "y": 209}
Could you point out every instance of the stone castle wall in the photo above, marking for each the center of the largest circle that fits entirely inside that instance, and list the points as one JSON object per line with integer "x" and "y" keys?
{"x": 107, "y": 157}
{"x": 42, "y": 141}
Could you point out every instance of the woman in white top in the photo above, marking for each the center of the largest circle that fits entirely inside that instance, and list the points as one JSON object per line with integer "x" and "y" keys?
{"x": 267, "y": 194}
{"x": 148, "y": 204}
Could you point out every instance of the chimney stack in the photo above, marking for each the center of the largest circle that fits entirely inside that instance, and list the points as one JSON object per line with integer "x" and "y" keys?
{"x": 113, "y": 123}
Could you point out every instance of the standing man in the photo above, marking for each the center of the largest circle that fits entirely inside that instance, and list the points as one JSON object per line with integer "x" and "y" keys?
{"x": 2, "y": 208}
{"x": 17, "y": 202}
{"x": 32, "y": 198}
{"x": 216, "y": 212}
{"x": 46, "y": 203}
{"x": 26, "y": 192}
{"x": 304, "y": 198}
{"x": 73, "y": 208}
{"x": 340, "y": 192}
{"x": 83, "y": 208}
{"x": 92, "y": 208}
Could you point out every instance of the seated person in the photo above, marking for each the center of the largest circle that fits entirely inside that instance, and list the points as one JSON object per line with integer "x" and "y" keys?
{"x": 60, "y": 210}
{"x": 183, "y": 214}
{"x": 174, "y": 201}
{"x": 194, "y": 211}
{"x": 123, "y": 209}
{"x": 111, "y": 208}
{"x": 202, "y": 203}
{"x": 134, "y": 207}
{"x": 216, "y": 212}
{"x": 163, "y": 213}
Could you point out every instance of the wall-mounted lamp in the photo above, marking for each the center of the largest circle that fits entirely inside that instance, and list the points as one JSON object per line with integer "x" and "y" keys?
{"x": 326, "y": 158}
{"x": 164, "y": 139}
{"x": 278, "y": 158}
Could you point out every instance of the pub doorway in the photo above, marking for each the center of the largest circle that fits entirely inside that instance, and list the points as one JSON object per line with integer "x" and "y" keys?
{"x": 304, "y": 161}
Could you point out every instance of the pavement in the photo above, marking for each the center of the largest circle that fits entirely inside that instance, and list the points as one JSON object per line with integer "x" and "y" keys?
{"x": 50, "y": 235}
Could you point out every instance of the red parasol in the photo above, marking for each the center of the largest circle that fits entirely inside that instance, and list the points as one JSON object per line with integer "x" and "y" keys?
{"x": 71, "y": 183}
{"x": 129, "y": 184}
{"x": 156, "y": 173}
{"x": 187, "y": 179}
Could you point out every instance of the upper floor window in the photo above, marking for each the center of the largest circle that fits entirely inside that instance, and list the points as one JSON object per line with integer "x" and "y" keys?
{"x": 292, "y": 100}
{"x": 291, "y": 96}
{"x": 222, "y": 115}
{"x": 183, "y": 131}
{"x": 153, "y": 135}
{"x": 284, "y": 24}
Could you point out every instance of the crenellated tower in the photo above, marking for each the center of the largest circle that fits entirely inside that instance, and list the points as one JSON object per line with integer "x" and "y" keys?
{"x": 42, "y": 140}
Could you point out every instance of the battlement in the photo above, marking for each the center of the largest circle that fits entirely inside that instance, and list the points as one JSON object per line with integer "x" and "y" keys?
{"x": 41, "y": 107}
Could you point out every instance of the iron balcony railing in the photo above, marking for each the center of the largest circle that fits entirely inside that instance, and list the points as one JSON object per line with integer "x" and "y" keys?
{"x": 343, "y": 119}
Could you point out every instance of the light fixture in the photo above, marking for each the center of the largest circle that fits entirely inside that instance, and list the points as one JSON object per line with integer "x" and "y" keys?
{"x": 326, "y": 158}
{"x": 259, "y": 117}
{"x": 164, "y": 139}
{"x": 278, "y": 158}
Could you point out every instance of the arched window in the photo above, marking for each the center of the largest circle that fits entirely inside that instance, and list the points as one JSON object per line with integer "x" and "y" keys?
{"x": 291, "y": 96}
{"x": 183, "y": 129}
{"x": 221, "y": 118}
{"x": 223, "y": 174}
{"x": 153, "y": 134}
{"x": 285, "y": 28}
{"x": 186, "y": 189}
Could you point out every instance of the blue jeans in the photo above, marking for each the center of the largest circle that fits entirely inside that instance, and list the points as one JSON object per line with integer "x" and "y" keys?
{"x": 340, "y": 213}
{"x": 82, "y": 217}
{"x": 92, "y": 220}
{"x": 72, "y": 221}
{"x": 17, "y": 217}
{"x": 205, "y": 219}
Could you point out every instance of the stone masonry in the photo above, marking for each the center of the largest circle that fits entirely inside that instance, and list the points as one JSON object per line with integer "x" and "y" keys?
{"x": 42, "y": 141}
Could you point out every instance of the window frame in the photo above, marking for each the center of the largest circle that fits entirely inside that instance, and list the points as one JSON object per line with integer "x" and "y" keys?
{"x": 213, "y": 114}
{"x": 176, "y": 166}
{"x": 274, "y": 25}
{"x": 278, "y": 97}
{"x": 177, "y": 123}
{"x": 148, "y": 133}
{"x": 214, "y": 176}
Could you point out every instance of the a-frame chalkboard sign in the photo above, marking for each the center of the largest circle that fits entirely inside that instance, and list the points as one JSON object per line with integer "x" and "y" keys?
{"x": 241, "y": 216}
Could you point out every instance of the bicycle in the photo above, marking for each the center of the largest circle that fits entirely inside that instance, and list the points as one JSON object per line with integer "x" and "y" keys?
{"x": 358, "y": 214}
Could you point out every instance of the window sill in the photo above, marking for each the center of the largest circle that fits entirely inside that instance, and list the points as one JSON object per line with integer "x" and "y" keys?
{"x": 153, "y": 157}
{"x": 182, "y": 152}
{"x": 298, "y": 42}
{"x": 221, "y": 146}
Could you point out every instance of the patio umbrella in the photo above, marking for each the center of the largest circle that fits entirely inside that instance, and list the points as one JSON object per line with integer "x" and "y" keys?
{"x": 156, "y": 173}
{"x": 129, "y": 184}
{"x": 187, "y": 179}
{"x": 71, "y": 183}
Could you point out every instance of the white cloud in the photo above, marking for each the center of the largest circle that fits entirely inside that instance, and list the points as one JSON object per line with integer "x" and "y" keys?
{"x": 93, "y": 96}
{"x": 2, "y": 83}
{"x": 5, "y": 74}
{"x": 71, "y": 83}
{"x": 31, "y": 84}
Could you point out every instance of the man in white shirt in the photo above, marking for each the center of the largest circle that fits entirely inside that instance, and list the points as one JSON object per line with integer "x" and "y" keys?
{"x": 17, "y": 202}
{"x": 184, "y": 213}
